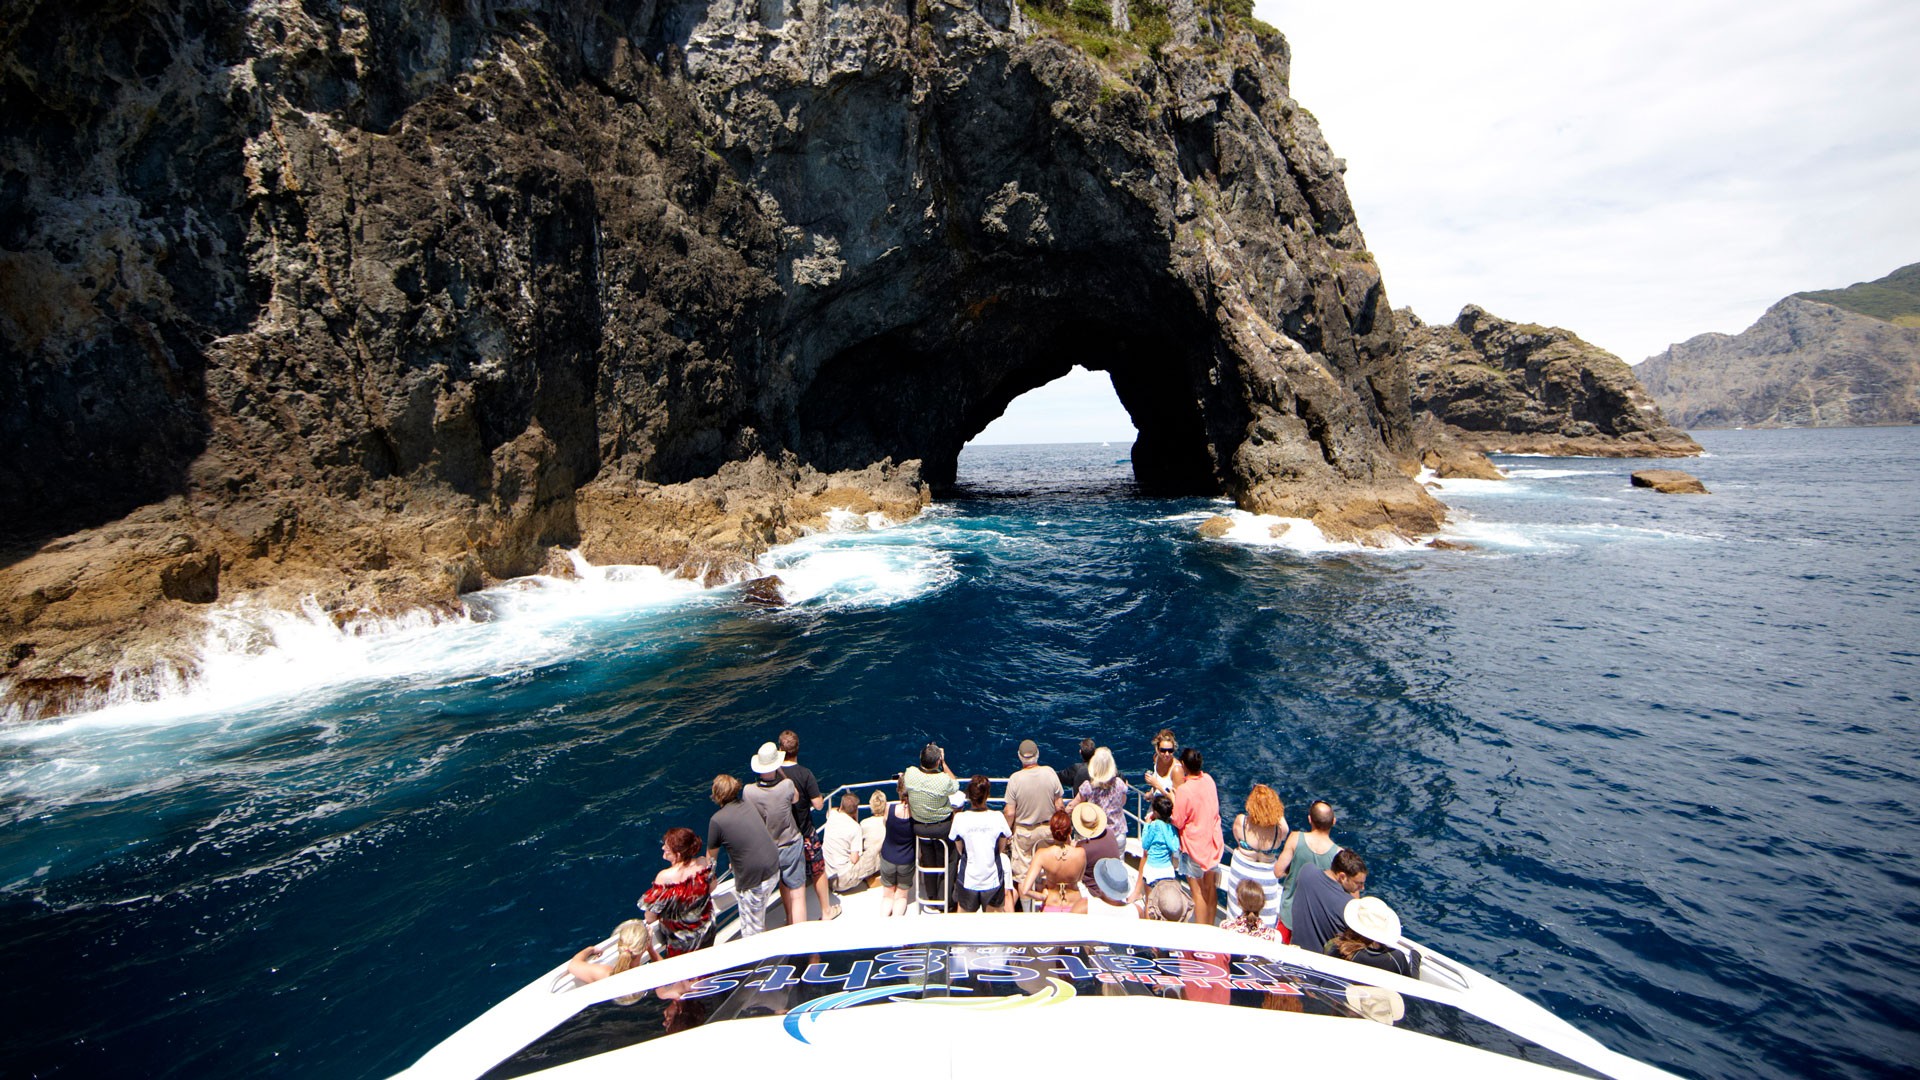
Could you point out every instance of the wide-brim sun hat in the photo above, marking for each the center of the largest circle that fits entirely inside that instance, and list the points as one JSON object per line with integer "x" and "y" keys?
{"x": 768, "y": 759}
{"x": 1089, "y": 821}
{"x": 1101, "y": 769}
{"x": 1378, "y": 1004}
{"x": 1110, "y": 877}
{"x": 1371, "y": 918}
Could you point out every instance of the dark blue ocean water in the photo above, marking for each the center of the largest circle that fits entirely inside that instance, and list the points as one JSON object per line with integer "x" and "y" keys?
{"x": 1650, "y": 760}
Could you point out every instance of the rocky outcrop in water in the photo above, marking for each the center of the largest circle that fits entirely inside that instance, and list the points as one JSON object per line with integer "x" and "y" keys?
{"x": 1520, "y": 388}
{"x": 380, "y": 302}
{"x": 1802, "y": 364}
{"x": 1669, "y": 482}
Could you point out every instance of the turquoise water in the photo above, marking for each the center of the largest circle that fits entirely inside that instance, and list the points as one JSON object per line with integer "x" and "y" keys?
{"x": 1650, "y": 760}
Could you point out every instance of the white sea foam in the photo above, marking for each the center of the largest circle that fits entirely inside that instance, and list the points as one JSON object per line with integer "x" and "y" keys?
{"x": 1524, "y": 473}
{"x": 1292, "y": 534}
{"x": 253, "y": 655}
{"x": 860, "y": 566}
{"x": 1539, "y": 537}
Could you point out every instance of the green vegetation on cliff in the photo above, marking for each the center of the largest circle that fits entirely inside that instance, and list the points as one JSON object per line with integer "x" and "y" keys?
{"x": 1087, "y": 25}
{"x": 1894, "y": 298}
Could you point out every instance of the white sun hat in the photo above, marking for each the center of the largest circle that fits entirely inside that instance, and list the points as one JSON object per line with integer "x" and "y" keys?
{"x": 768, "y": 759}
{"x": 1371, "y": 918}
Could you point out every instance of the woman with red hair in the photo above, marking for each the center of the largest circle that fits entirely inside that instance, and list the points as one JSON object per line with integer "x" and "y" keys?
{"x": 679, "y": 906}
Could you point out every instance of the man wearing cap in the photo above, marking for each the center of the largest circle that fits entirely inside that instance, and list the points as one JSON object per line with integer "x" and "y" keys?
{"x": 773, "y": 796}
{"x": 1033, "y": 794}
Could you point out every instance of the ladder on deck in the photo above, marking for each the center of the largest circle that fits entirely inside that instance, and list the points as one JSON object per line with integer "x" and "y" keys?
{"x": 932, "y": 877}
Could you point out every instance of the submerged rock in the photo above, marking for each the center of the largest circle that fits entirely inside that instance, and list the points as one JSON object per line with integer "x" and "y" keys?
{"x": 1501, "y": 387}
{"x": 1216, "y": 526}
{"x": 1670, "y": 482}
{"x": 764, "y": 591}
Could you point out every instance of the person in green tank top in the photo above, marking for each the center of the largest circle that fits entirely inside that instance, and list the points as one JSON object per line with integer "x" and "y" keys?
{"x": 1305, "y": 853}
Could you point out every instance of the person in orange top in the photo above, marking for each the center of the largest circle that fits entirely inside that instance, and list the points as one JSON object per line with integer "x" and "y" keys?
{"x": 1196, "y": 813}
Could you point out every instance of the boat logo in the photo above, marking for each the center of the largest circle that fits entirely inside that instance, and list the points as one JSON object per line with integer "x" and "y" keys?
{"x": 807, "y": 1013}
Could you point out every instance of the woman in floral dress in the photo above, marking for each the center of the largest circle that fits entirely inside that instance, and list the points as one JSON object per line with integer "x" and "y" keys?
{"x": 679, "y": 905}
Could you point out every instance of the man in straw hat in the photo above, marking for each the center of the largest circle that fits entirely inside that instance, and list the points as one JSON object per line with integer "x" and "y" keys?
{"x": 773, "y": 796}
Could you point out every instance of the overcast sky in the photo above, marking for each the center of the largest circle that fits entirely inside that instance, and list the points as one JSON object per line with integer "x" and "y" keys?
{"x": 1637, "y": 172}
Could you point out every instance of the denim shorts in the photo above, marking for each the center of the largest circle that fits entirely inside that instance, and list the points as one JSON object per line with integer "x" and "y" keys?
{"x": 1191, "y": 869}
{"x": 793, "y": 864}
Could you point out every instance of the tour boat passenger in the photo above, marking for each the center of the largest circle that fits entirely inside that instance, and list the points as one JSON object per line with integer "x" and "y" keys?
{"x": 896, "y": 854}
{"x": 1166, "y": 762}
{"x": 1196, "y": 813}
{"x": 930, "y": 791}
{"x": 1319, "y": 909}
{"x": 1096, "y": 837}
{"x": 1372, "y": 937}
{"x": 1258, "y": 836}
{"x": 873, "y": 834}
{"x": 1251, "y": 899}
{"x": 774, "y": 797}
{"x": 1110, "y": 892}
{"x": 1054, "y": 876}
{"x": 743, "y": 833}
{"x": 1033, "y": 797}
{"x": 630, "y": 942}
{"x": 983, "y": 837}
{"x": 810, "y": 800}
{"x": 1160, "y": 847}
{"x": 1104, "y": 788}
{"x": 1304, "y": 854}
{"x": 842, "y": 844}
{"x": 679, "y": 904}
{"x": 1076, "y": 774}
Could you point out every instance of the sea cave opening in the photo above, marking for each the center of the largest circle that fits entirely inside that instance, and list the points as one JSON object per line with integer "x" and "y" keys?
{"x": 1068, "y": 436}
{"x": 1127, "y": 345}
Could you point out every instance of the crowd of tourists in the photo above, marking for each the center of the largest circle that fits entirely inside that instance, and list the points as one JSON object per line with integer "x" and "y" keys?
{"x": 1058, "y": 844}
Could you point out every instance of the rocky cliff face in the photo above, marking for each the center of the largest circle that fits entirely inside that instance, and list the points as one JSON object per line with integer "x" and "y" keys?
{"x": 379, "y": 302}
{"x": 1518, "y": 388}
{"x": 1803, "y": 364}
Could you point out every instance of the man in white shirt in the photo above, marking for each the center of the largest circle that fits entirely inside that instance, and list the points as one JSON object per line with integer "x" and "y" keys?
{"x": 842, "y": 844}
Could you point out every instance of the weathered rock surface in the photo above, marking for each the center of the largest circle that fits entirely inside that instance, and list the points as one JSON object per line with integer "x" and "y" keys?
{"x": 381, "y": 302}
{"x": 764, "y": 592}
{"x": 1442, "y": 451}
{"x": 1518, "y": 388}
{"x": 1802, "y": 364}
{"x": 1216, "y": 526}
{"x": 1669, "y": 482}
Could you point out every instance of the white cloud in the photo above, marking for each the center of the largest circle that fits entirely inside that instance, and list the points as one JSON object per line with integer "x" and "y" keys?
{"x": 1079, "y": 406}
{"x": 1637, "y": 171}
